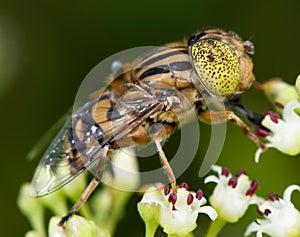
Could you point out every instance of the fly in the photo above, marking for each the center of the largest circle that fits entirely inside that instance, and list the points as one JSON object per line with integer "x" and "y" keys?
{"x": 153, "y": 89}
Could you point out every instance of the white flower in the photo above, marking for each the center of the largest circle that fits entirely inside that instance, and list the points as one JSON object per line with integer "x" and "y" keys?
{"x": 121, "y": 181}
{"x": 285, "y": 132}
{"x": 33, "y": 233}
{"x": 282, "y": 219}
{"x": 175, "y": 212}
{"x": 76, "y": 226}
{"x": 297, "y": 86}
{"x": 233, "y": 194}
{"x": 278, "y": 91}
{"x": 33, "y": 209}
{"x": 125, "y": 171}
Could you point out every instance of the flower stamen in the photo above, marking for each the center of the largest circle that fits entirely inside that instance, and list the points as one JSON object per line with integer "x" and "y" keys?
{"x": 184, "y": 185}
{"x": 199, "y": 194}
{"x": 190, "y": 199}
{"x": 253, "y": 188}
{"x": 267, "y": 212}
{"x": 273, "y": 115}
{"x": 233, "y": 181}
{"x": 240, "y": 172}
{"x": 172, "y": 198}
{"x": 167, "y": 190}
{"x": 273, "y": 197}
{"x": 261, "y": 132}
{"x": 225, "y": 171}
{"x": 279, "y": 105}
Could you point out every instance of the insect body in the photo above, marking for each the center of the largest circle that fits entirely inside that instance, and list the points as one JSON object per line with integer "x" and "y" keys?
{"x": 165, "y": 86}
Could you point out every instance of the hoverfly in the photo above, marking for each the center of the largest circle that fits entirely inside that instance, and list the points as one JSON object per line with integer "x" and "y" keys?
{"x": 211, "y": 63}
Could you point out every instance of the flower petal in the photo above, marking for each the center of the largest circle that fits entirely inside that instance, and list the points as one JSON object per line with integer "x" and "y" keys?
{"x": 54, "y": 230}
{"x": 253, "y": 227}
{"x": 210, "y": 211}
{"x": 211, "y": 178}
{"x": 260, "y": 151}
{"x": 233, "y": 194}
{"x": 288, "y": 192}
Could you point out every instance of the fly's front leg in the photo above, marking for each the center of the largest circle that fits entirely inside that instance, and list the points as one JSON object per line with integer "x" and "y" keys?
{"x": 221, "y": 116}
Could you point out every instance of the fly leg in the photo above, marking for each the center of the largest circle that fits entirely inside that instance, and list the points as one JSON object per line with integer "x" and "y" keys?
{"x": 220, "y": 116}
{"x": 166, "y": 165}
{"x": 88, "y": 191}
{"x": 236, "y": 104}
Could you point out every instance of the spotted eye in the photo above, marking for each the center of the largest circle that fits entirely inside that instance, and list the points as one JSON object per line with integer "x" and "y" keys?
{"x": 217, "y": 66}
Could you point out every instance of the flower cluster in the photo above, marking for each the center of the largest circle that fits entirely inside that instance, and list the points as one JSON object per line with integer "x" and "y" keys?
{"x": 233, "y": 194}
{"x": 283, "y": 130}
{"x": 107, "y": 203}
{"x": 282, "y": 219}
{"x": 175, "y": 212}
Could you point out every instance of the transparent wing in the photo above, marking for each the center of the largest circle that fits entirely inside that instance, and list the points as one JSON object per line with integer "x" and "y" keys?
{"x": 57, "y": 167}
{"x": 43, "y": 143}
{"x": 54, "y": 169}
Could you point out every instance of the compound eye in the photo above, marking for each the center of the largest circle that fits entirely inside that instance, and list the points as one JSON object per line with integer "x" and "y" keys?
{"x": 217, "y": 66}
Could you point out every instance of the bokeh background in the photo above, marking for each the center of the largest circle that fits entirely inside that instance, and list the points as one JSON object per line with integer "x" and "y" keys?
{"x": 48, "y": 47}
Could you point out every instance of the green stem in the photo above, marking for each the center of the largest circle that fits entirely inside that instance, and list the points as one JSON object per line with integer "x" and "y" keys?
{"x": 150, "y": 229}
{"x": 215, "y": 227}
{"x": 188, "y": 235}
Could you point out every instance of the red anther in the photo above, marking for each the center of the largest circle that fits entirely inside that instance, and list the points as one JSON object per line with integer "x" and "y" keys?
{"x": 252, "y": 189}
{"x": 190, "y": 199}
{"x": 184, "y": 185}
{"x": 254, "y": 184}
{"x": 167, "y": 190}
{"x": 172, "y": 198}
{"x": 273, "y": 197}
{"x": 279, "y": 105}
{"x": 199, "y": 194}
{"x": 232, "y": 182}
{"x": 249, "y": 192}
{"x": 267, "y": 212}
{"x": 261, "y": 132}
{"x": 277, "y": 197}
{"x": 225, "y": 171}
{"x": 273, "y": 116}
{"x": 240, "y": 172}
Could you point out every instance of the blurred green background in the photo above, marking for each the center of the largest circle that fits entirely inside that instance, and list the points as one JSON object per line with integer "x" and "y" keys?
{"x": 47, "y": 48}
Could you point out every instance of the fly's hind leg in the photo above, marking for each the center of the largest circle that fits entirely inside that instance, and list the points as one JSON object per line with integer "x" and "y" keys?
{"x": 166, "y": 166}
{"x": 89, "y": 190}
{"x": 217, "y": 117}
